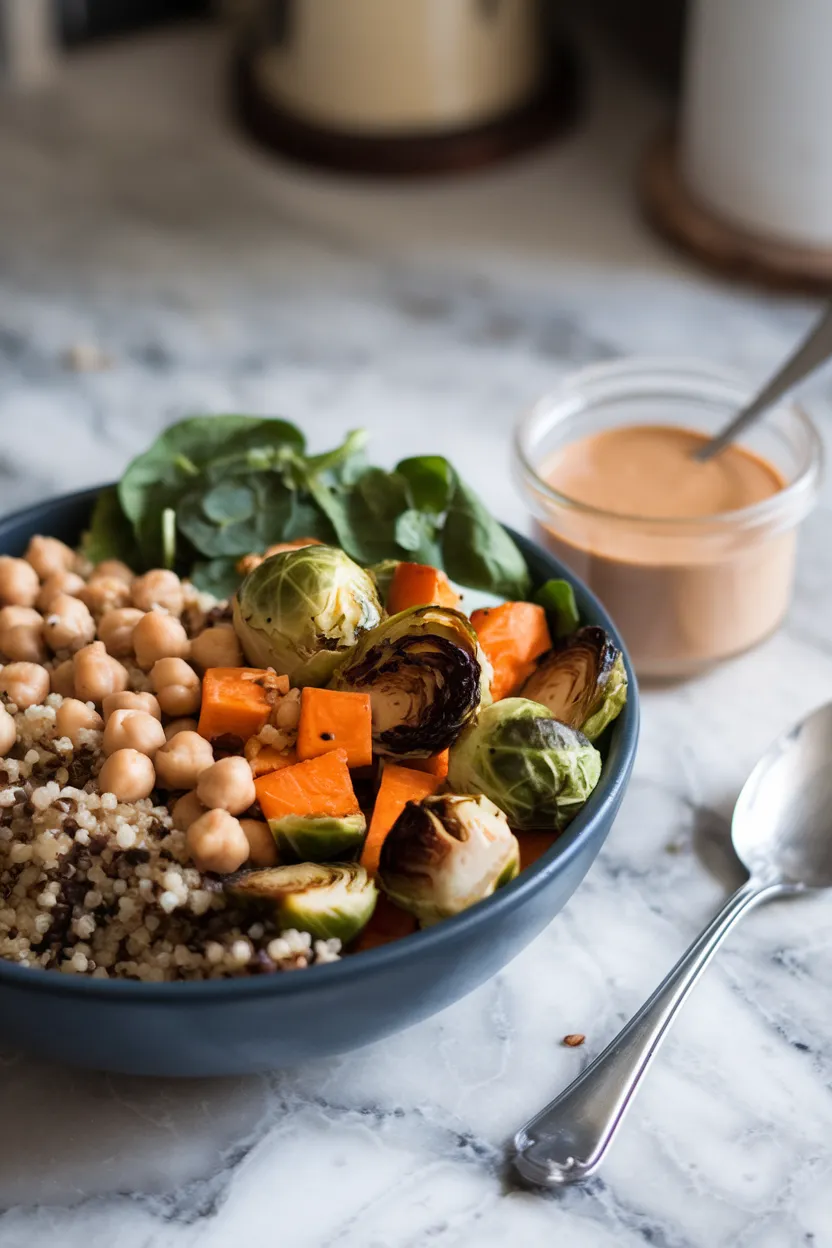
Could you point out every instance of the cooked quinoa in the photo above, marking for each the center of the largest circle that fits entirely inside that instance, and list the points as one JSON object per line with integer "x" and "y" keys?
{"x": 90, "y": 885}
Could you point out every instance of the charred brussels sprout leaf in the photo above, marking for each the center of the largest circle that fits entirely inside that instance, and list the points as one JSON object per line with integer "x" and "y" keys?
{"x": 328, "y": 900}
{"x": 318, "y": 838}
{"x": 426, "y": 677}
{"x": 445, "y": 853}
{"x": 582, "y": 681}
{"x": 301, "y": 611}
{"x": 539, "y": 771}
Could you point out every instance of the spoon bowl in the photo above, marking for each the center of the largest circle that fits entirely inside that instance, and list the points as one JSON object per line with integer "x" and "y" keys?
{"x": 782, "y": 825}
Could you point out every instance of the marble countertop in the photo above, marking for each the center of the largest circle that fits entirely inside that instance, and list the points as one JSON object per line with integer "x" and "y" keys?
{"x": 133, "y": 219}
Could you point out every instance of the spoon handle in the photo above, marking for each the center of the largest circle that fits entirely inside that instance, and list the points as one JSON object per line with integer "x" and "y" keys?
{"x": 567, "y": 1141}
{"x": 815, "y": 350}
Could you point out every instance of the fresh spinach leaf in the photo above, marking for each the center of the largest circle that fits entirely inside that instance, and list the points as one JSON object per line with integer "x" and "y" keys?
{"x": 343, "y": 465}
{"x": 384, "y": 493}
{"x": 110, "y": 534}
{"x": 156, "y": 479}
{"x": 477, "y": 550}
{"x": 430, "y": 482}
{"x": 231, "y": 502}
{"x": 216, "y": 576}
{"x": 417, "y": 535}
{"x": 240, "y": 516}
{"x": 557, "y": 597}
{"x": 307, "y": 520}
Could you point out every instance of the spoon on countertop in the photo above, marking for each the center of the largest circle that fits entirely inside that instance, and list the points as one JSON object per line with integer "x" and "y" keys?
{"x": 815, "y": 350}
{"x": 782, "y": 833}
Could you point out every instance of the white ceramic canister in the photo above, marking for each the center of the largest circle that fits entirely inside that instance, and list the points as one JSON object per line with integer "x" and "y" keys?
{"x": 382, "y": 67}
{"x": 756, "y": 127}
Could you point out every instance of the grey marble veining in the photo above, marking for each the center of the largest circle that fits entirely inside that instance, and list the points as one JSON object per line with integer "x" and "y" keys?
{"x": 133, "y": 218}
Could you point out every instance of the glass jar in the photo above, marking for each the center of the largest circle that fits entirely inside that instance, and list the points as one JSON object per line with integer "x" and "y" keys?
{"x": 684, "y": 593}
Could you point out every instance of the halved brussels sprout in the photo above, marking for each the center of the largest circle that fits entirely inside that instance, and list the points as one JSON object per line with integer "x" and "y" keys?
{"x": 301, "y": 611}
{"x": 445, "y": 853}
{"x": 582, "y": 681}
{"x": 426, "y": 676}
{"x": 333, "y": 899}
{"x": 318, "y": 838}
{"x": 538, "y": 770}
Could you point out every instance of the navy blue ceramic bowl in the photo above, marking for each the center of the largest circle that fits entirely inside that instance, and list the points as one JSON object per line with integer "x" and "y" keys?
{"x": 240, "y": 1026}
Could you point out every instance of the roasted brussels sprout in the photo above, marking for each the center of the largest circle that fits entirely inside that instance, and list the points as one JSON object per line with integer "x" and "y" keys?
{"x": 301, "y": 611}
{"x": 445, "y": 853}
{"x": 582, "y": 680}
{"x": 333, "y": 899}
{"x": 538, "y": 770}
{"x": 318, "y": 838}
{"x": 426, "y": 676}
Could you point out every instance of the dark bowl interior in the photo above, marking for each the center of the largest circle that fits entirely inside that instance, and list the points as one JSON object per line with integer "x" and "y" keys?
{"x": 222, "y": 1027}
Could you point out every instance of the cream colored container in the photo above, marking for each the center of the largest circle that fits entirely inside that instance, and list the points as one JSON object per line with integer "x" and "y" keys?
{"x": 396, "y": 67}
{"x": 684, "y": 593}
{"x": 755, "y": 142}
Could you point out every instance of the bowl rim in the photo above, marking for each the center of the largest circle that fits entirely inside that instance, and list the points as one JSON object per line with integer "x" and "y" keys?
{"x": 426, "y": 941}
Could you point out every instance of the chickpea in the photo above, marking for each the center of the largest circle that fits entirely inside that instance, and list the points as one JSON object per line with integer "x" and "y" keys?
{"x": 262, "y": 850}
{"x": 181, "y": 761}
{"x": 128, "y": 774}
{"x": 8, "y": 731}
{"x": 21, "y": 634}
{"x": 287, "y": 711}
{"x": 217, "y": 647}
{"x": 177, "y": 686}
{"x": 73, "y": 717}
{"x": 19, "y": 582}
{"x": 158, "y": 588}
{"x": 159, "y": 636}
{"x": 185, "y": 810}
{"x": 58, "y": 583}
{"x": 62, "y": 679}
{"x": 97, "y": 674}
{"x": 133, "y": 730}
{"x": 114, "y": 567}
{"x": 47, "y": 555}
{"x": 217, "y": 842}
{"x": 69, "y": 625}
{"x": 104, "y": 593}
{"x": 115, "y": 629}
{"x": 25, "y": 684}
{"x": 180, "y": 725}
{"x": 127, "y": 701}
{"x": 228, "y": 785}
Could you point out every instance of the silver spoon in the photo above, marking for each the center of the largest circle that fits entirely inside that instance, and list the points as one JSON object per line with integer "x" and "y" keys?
{"x": 815, "y": 350}
{"x": 782, "y": 833}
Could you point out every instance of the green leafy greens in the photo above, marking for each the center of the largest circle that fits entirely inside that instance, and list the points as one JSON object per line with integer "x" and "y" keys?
{"x": 213, "y": 488}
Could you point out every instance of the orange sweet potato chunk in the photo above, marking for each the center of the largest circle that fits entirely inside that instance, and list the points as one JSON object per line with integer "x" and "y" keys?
{"x": 332, "y": 720}
{"x": 319, "y": 786}
{"x": 419, "y": 585}
{"x": 512, "y": 635}
{"x": 238, "y": 700}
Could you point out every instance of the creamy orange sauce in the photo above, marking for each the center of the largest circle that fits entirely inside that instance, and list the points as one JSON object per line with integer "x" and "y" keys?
{"x": 649, "y": 471}
{"x": 683, "y": 595}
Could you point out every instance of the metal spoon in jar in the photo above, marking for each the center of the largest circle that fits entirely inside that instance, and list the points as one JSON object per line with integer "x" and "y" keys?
{"x": 782, "y": 833}
{"x": 815, "y": 350}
